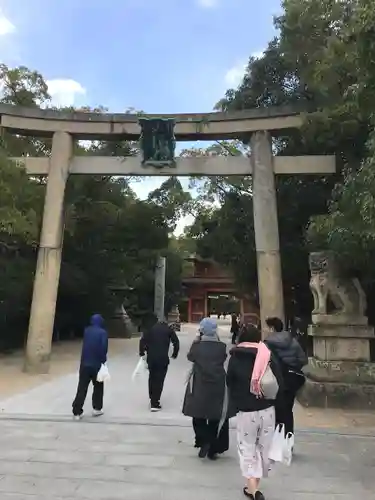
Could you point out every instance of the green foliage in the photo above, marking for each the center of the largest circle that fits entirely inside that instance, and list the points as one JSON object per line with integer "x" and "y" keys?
{"x": 174, "y": 201}
{"x": 111, "y": 241}
{"x": 323, "y": 61}
{"x": 21, "y": 201}
{"x": 226, "y": 235}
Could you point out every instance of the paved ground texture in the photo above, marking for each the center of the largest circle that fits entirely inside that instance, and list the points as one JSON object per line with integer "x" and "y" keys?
{"x": 64, "y": 360}
{"x": 66, "y": 460}
{"x": 132, "y": 454}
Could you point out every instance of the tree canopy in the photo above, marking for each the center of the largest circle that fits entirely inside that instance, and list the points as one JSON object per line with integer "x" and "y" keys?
{"x": 111, "y": 241}
{"x": 321, "y": 60}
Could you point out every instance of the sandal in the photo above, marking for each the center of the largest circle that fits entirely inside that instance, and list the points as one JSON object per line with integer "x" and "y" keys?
{"x": 247, "y": 493}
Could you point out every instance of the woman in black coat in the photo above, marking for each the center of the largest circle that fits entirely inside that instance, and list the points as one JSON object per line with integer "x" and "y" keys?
{"x": 206, "y": 394}
{"x": 256, "y": 414}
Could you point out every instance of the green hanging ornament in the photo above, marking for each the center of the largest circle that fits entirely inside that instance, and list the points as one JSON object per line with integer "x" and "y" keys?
{"x": 157, "y": 142}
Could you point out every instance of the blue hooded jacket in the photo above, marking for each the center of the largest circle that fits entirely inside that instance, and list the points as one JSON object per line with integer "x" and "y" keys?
{"x": 95, "y": 343}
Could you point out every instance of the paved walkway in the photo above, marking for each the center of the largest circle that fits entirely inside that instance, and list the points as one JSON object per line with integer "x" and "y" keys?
{"x": 132, "y": 454}
{"x": 64, "y": 360}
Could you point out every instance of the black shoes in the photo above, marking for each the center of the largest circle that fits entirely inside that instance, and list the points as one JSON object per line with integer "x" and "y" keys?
{"x": 203, "y": 452}
{"x": 258, "y": 495}
{"x": 206, "y": 452}
{"x": 155, "y": 407}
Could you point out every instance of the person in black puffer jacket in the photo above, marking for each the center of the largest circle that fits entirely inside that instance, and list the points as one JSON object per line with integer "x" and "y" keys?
{"x": 292, "y": 359}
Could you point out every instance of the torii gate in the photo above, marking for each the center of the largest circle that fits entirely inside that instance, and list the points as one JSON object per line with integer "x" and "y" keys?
{"x": 257, "y": 124}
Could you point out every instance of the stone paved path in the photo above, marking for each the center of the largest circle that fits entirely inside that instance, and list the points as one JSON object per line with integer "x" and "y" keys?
{"x": 64, "y": 360}
{"x": 123, "y": 399}
{"x": 132, "y": 454}
{"x": 43, "y": 460}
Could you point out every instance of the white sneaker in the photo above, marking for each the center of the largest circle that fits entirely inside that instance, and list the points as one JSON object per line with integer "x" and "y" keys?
{"x": 78, "y": 417}
{"x": 97, "y": 413}
{"x": 155, "y": 408}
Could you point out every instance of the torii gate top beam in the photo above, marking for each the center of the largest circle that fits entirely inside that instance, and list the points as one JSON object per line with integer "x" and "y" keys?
{"x": 189, "y": 127}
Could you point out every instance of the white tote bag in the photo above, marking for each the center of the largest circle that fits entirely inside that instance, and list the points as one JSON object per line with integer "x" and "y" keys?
{"x": 268, "y": 384}
{"x": 140, "y": 369}
{"x": 103, "y": 374}
{"x": 276, "y": 453}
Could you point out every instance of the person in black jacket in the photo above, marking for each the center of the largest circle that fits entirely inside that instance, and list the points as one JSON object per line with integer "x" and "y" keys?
{"x": 256, "y": 415}
{"x": 292, "y": 359}
{"x": 235, "y": 328}
{"x": 155, "y": 342}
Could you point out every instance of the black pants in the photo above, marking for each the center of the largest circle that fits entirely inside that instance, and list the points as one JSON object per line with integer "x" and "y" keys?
{"x": 87, "y": 375}
{"x": 234, "y": 336}
{"x": 156, "y": 378}
{"x": 284, "y": 409}
{"x": 206, "y": 433}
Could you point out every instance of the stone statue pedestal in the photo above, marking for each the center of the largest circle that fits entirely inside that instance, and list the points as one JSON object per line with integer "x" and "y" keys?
{"x": 335, "y": 342}
{"x": 340, "y": 373}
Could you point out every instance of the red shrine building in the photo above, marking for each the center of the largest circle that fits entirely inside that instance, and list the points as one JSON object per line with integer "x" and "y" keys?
{"x": 210, "y": 289}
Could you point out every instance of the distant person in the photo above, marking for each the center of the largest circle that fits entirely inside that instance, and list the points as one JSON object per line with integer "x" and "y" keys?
{"x": 205, "y": 396}
{"x": 94, "y": 354}
{"x": 155, "y": 343}
{"x": 292, "y": 359}
{"x": 256, "y": 414}
{"x": 234, "y": 328}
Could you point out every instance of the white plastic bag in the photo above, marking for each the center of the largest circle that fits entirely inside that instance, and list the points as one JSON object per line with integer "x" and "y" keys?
{"x": 288, "y": 449}
{"x": 282, "y": 446}
{"x": 276, "y": 453}
{"x": 103, "y": 374}
{"x": 140, "y": 369}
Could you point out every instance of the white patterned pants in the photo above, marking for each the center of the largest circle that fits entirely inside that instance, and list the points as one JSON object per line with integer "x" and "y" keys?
{"x": 254, "y": 439}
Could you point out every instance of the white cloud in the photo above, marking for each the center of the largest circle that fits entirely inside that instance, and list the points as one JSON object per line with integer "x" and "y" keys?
{"x": 258, "y": 54}
{"x": 6, "y": 26}
{"x": 182, "y": 224}
{"x": 208, "y": 4}
{"x": 64, "y": 92}
{"x": 234, "y": 75}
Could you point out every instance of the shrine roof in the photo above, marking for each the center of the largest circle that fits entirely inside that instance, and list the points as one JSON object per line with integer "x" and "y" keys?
{"x": 189, "y": 126}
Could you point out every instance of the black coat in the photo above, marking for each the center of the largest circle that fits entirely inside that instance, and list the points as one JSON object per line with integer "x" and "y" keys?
{"x": 156, "y": 341}
{"x": 205, "y": 392}
{"x": 287, "y": 349}
{"x": 235, "y": 327}
{"x": 240, "y": 370}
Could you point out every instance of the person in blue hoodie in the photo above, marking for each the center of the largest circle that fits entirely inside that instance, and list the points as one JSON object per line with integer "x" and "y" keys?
{"x": 94, "y": 354}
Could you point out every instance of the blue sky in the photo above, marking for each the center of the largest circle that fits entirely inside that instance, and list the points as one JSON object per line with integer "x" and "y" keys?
{"x": 166, "y": 56}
